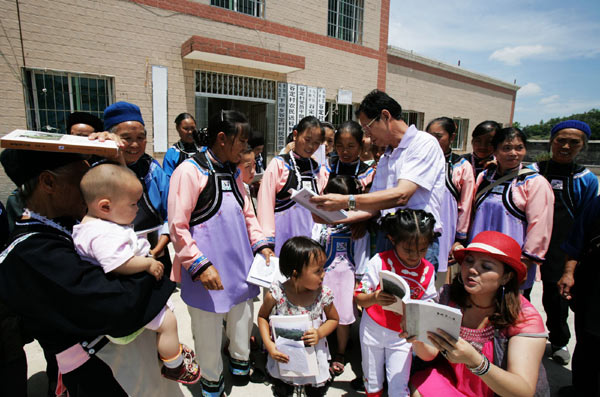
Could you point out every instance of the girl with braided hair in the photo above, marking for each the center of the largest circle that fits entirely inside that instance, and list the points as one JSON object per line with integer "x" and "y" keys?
{"x": 410, "y": 232}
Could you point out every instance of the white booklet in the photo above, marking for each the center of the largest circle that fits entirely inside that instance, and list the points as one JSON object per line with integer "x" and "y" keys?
{"x": 52, "y": 142}
{"x": 303, "y": 196}
{"x": 287, "y": 333}
{"x": 262, "y": 275}
{"x": 419, "y": 316}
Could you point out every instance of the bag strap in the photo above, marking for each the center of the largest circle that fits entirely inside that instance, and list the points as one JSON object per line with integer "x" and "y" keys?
{"x": 521, "y": 172}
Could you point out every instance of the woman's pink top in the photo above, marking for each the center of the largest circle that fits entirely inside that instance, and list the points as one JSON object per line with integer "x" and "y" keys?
{"x": 454, "y": 380}
{"x": 464, "y": 180}
{"x": 274, "y": 179}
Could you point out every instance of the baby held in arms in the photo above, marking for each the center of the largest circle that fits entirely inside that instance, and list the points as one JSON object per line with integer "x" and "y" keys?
{"x": 105, "y": 237}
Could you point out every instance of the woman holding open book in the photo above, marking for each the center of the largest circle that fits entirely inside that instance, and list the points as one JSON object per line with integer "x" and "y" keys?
{"x": 502, "y": 336}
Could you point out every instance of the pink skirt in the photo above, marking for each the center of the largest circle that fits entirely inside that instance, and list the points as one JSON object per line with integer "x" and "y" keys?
{"x": 339, "y": 277}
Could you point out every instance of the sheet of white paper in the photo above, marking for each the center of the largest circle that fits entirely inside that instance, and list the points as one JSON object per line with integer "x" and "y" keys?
{"x": 262, "y": 275}
{"x": 298, "y": 359}
{"x": 303, "y": 196}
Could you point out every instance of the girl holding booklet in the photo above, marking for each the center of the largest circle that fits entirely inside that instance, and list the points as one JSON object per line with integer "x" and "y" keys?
{"x": 502, "y": 336}
{"x": 279, "y": 216}
{"x": 301, "y": 261}
{"x": 411, "y": 233}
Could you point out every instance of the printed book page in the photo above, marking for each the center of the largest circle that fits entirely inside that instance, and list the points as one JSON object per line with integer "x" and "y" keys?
{"x": 262, "y": 275}
{"x": 52, "y": 142}
{"x": 394, "y": 284}
{"x": 287, "y": 332}
{"x": 303, "y": 196}
{"x": 423, "y": 316}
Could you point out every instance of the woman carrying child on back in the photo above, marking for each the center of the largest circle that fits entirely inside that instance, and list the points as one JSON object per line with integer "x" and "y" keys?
{"x": 106, "y": 237}
{"x": 411, "y": 233}
{"x": 279, "y": 216}
{"x": 344, "y": 255}
{"x": 301, "y": 261}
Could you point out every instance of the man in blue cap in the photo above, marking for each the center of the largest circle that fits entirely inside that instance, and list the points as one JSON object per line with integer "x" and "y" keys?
{"x": 574, "y": 186}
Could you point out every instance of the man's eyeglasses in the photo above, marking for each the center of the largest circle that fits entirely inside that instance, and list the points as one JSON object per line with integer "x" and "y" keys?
{"x": 368, "y": 126}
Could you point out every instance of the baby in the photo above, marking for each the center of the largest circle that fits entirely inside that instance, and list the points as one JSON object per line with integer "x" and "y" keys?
{"x": 106, "y": 238}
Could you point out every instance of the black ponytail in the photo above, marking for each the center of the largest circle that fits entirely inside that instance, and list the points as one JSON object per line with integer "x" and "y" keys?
{"x": 229, "y": 122}
{"x": 409, "y": 225}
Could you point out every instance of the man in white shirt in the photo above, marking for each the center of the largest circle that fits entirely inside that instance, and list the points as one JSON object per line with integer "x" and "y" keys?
{"x": 410, "y": 174}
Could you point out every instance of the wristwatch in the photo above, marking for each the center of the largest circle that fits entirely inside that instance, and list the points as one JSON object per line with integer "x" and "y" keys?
{"x": 351, "y": 202}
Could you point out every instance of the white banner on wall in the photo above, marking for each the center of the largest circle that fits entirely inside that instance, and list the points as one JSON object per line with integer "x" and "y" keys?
{"x": 321, "y": 104}
{"x": 159, "y": 108}
{"x": 301, "y": 102}
{"x": 311, "y": 101}
{"x": 292, "y": 114}
{"x": 281, "y": 116}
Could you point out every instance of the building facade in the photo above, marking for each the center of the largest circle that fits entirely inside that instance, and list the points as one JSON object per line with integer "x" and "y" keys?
{"x": 274, "y": 60}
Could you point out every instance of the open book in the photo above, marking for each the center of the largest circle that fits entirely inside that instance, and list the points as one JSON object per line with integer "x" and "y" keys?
{"x": 303, "y": 196}
{"x": 262, "y": 275}
{"x": 287, "y": 332}
{"x": 419, "y": 316}
{"x": 52, "y": 142}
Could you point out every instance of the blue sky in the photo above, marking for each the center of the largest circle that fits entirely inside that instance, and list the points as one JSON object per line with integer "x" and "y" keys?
{"x": 551, "y": 48}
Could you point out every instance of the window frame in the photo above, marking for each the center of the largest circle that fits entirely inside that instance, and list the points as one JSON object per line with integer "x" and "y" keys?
{"x": 33, "y": 106}
{"x": 462, "y": 132}
{"x": 414, "y": 117}
{"x": 335, "y": 26}
{"x": 234, "y": 5}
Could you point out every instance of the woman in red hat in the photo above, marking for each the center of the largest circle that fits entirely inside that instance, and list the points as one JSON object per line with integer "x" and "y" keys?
{"x": 502, "y": 336}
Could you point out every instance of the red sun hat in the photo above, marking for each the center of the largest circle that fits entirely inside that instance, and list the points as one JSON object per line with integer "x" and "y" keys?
{"x": 498, "y": 246}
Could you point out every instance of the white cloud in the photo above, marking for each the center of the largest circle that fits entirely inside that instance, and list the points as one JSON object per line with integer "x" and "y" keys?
{"x": 529, "y": 89}
{"x": 512, "y": 55}
{"x": 550, "y": 99}
{"x": 511, "y": 30}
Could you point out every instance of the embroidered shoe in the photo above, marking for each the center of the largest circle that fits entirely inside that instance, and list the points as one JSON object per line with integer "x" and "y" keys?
{"x": 187, "y": 372}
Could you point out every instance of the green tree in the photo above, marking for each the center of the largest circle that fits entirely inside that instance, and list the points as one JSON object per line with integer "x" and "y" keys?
{"x": 542, "y": 130}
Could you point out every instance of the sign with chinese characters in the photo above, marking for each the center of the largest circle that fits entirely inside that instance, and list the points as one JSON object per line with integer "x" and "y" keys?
{"x": 301, "y": 102}
{"x": 311, "y": 101}
{"x": 292, "y": 109}
{"x": 281, "y": 116}
{"x": 321, "y": 104}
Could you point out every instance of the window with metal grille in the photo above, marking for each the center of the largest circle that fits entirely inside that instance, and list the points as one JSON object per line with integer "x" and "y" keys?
{"x": 256, "y": 8}
{"x": 52, "y": 95}
{"x": 413, "y": 117}
{"x": 462, "y": 130}
{"x": 337, "y": 114}
{"x": 235, "y": 86}
{"x": 345, "y": 20}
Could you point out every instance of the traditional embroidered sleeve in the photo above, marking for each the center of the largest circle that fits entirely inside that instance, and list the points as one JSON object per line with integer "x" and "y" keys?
{"x": 369, "y": 279}
{"x": 187, "y": 182}
{"x": 272, "y": 182}
{"x": 464, "y": 178}
{"x": 159, "y": 193}
{"x": 588, "y": 186}
{"x": 366, "y": 178}
{"x": 170, "y": 161}
{"x": 257, "y": 239}
{"x": 534, "y": 196}
{"x": 529, "y": 323}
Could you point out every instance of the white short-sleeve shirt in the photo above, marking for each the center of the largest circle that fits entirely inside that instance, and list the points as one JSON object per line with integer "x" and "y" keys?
{"x": 419, "y": 159}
